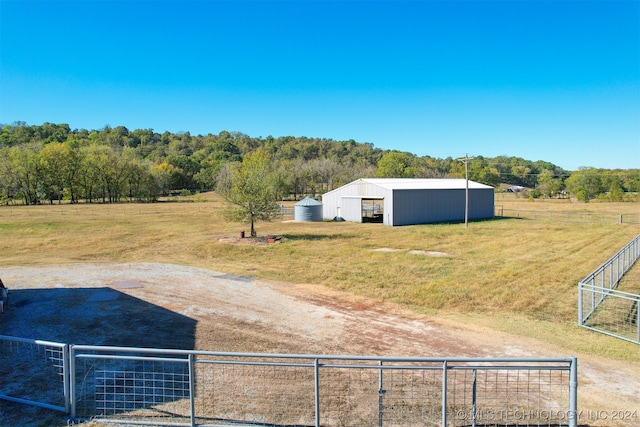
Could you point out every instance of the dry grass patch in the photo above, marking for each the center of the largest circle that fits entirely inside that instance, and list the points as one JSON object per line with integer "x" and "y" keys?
{"x": 493, "y": 269}
{"x": 414, "y": 252}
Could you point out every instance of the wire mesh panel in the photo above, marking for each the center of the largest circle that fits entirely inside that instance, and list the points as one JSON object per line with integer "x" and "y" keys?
{"x": 348, "y": 396}
{"x": 513, "y": 396}
{"x": 132, "y": 388}
{"x": 260, "y": 392}
{"x": 411, "y": 395}
{"x": 35, "y": 372}
{"x": 611, "y": 312}
{"x": 566, "y": 216}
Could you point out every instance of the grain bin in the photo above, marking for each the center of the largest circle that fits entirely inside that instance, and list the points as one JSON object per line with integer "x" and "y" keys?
{"x": 307, "y": 210}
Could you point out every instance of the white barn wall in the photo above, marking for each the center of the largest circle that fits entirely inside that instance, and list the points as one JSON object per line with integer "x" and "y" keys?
{"x": 352, "y": 209}
{"x": 348, "y": 200}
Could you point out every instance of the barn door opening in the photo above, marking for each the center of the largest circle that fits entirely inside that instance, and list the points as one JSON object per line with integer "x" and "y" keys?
{"x": 372, "y": 210}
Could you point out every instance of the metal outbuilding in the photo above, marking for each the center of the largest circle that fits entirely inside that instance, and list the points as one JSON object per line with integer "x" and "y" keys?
{"x": 406, "y": 201}
{"x": 307, "y": 210}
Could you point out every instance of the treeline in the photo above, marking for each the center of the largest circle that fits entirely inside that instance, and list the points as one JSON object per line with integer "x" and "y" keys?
{"x": 51, "y": 162}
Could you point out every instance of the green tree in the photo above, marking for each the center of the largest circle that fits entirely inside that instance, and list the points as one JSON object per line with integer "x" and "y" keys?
{"x": 612, "y": 184}
{"x": 59, "y": 170}
{"x": 631, "y": 180}
{"x": 7, "y": 179}
{"x": 139, "y": 183}
{"x": 89, "y": 171}
{"x": 104, "y": 174}
{"x": 428, "y": 167}
{"x": 522, "y": 174}
{"x": 396, "y": 164}
{"x": 585, "y": 184}
{"x": 250, "y": 189}
{"x": 485, "y": 175}
{"x": 548, "y": 184}
{"x": 162, "y": 173}
{"x": 25, "y": 167}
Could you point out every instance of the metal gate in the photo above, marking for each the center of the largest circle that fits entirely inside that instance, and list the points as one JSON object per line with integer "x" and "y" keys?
{"x": 36, "y": 373}
{"x": 195, "y": 388}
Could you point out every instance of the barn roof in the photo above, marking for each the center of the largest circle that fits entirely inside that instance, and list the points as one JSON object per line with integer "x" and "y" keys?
{"x": 423, "y": 183}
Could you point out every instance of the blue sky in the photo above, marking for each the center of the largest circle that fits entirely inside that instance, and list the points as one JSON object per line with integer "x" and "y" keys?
{"x": 557, "y": 81}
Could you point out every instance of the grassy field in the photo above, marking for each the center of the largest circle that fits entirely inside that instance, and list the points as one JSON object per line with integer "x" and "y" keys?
{"x": 513, "y": 275}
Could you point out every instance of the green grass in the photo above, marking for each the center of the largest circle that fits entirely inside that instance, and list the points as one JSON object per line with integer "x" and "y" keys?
{"x": 516, "y": 276}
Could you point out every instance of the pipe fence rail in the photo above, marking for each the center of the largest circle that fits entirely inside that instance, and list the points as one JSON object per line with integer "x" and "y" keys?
{"x": 197, "y": 388}
{"x": 605, "y": 309}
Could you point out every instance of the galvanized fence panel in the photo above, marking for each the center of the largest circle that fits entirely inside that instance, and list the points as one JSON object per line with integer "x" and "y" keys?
{"x": 602, "y": 307}
{"x": 254, "y": 390}
{"x": 287, "y": 211}
{"x": 145, "y": 385}
{"x": 192, "y": 388}
{"x": 610, "y": 312}
{"x": 34, "y": 372}
{"x": 568, "y": 216}
{"x": 513, "y": 395}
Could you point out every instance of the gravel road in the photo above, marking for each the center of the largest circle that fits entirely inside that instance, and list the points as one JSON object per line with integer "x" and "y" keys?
{"x": 173, "y": 306}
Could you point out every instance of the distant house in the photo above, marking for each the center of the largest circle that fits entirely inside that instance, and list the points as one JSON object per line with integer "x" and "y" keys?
{"x": 407, "y": 201}
{"x": 515, "y": 189}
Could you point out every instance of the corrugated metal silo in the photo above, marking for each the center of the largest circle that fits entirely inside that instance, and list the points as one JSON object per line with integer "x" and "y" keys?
{"x": 307, "y": 210}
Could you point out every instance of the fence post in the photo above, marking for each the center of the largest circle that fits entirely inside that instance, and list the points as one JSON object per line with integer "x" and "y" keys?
{"x": 473, "y": 399}
{"x": 573, "y": 392}
{"x": 66, "y": 374}
{"x": 317, "y": 389}
{"x": 72, "y": 382}
{"x": 638, "y": 318}
{"x": 612, "y": 284}
{"x": 192, "y": 389}
{"x": 444, "y": 393}
{"x": 579, "y": 303}
{"x": 381, "y": 392}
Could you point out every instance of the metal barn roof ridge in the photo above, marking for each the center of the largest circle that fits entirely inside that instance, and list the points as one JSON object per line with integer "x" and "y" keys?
{"x": 424, "y": 183}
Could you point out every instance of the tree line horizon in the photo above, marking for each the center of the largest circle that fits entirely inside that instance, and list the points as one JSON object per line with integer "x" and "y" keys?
{"x": 52, "y": 163}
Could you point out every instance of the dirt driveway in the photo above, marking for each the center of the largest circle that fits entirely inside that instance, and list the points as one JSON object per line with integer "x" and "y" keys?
{"x": 172, "y": 306}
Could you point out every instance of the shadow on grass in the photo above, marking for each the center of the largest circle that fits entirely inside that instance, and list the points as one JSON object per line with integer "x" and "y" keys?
{"x": 92, "y": 316}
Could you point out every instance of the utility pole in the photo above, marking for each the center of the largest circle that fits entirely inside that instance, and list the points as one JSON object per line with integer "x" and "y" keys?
{"x": 465, "y": 160}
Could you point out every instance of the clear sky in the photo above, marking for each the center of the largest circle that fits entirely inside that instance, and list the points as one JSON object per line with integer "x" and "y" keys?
{"x": 557, "y": 81}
